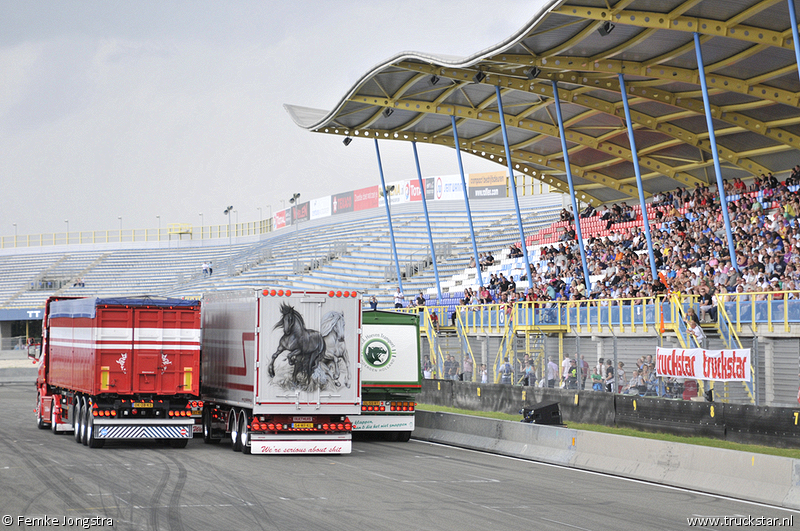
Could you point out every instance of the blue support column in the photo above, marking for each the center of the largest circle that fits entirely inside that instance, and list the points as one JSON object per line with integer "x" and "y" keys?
{"x": 513, "y": 186}
{"x": 389, "y": 218}
{"x": 427, "y": 221}
{"x": 466, "y": 200}
{"x": 701, "y": 72}
{"x": 575, "y": 212}
{"x": 795, "y": 33}
{"x": 638, "y": 172}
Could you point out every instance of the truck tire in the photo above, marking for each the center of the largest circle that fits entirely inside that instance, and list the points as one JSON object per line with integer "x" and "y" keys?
{"x": 91, "y": 441}
{"x": 40, "y": 423}
{"x": 403, "y": 436}
{"x": 208, "y": 430}
{"x": 244, "y": 433}
{"x": 86, "y": 412}
{"x": 233, "y": 424}
{"x": 178, "y": 443}
{"x": 77, "y": 418}
{"x": 54, "y": 419}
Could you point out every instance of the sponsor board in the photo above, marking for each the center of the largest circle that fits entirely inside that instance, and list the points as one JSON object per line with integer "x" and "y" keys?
{"x": 487, "y": 185}
{"x": 717, "y": 365}
{"x": 365, "y": 198}
{"x": 342, "y": 203}
{"x": 321, "y": 208}
{"x": 448, "y": 188}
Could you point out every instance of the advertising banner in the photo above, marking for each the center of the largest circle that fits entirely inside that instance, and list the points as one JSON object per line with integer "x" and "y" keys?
{"x": 448, "y": 188}
{"x": 321, "y": 208}
{"x": 366, "y": 198}
{"x": 699, "y": 364}
{"x": 279, "y": 219}
{"x": 301, "y": 212}
{"x": 487, "y": 185}
{"x": 342, "y": 203}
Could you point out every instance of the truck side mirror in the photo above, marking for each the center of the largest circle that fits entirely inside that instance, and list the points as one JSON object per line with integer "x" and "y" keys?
{"x": 34, "y": 351}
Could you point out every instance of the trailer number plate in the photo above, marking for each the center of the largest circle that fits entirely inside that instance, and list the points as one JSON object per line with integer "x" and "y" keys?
{"x": 371, "y": 403}
{"x": 142, "y": 404}
{"x": 302, "y": 425}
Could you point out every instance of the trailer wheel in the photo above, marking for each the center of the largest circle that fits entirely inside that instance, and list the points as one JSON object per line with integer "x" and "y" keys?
{"x": 53, "y": 418}
{"x": 77, "y": 418}
{"x": 91, "y": 441}
{"x": 86, "y": 412}
{"x": 178, "y": 443}
{"x": 403, "y": 436}
{"x": 40, "y": 423}
{"x": 233, "y": 425}
{"x": 208, "y": 430}
{"x": 244, "y": 433}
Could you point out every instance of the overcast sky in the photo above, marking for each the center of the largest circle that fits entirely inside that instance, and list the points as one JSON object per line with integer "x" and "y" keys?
{"x": 173, "y": 108}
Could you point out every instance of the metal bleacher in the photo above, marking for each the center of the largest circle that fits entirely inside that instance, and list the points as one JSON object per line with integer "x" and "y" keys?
{"x": 350, "y": 251}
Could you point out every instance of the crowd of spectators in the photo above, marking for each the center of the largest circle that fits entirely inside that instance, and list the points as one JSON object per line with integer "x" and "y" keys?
{"x": 689, "y": 246}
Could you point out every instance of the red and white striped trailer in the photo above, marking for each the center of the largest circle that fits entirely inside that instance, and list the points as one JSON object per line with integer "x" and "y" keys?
{"x": 120, "y": 368}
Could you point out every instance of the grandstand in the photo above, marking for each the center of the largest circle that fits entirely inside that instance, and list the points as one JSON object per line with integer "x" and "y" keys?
{"x": 594, "y": 55}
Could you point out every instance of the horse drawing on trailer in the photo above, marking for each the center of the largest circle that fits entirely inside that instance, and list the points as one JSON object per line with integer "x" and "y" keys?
{"x": 312, "y": 359}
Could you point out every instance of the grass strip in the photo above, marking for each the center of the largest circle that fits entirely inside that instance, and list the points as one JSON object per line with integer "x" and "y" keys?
{"x": 630, "y": 432}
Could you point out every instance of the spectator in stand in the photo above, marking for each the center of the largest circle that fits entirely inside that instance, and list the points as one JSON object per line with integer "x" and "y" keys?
{"x": 373, "y": 303}
{"x": 484, "y": 374}
{"x": 506, "y": 372}
{"x": 468, "y": 369}
{"x": 620, "y": 376}
{"x": 489, "y": 259}
{"x": 609, "y": 377}
{"x": 420, "y": 300}
{"x": 398, "y": 298}
{"x": 552, "y": 372}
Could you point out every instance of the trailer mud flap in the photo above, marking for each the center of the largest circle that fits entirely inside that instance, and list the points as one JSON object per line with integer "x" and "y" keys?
{"x": 322, "y": 444}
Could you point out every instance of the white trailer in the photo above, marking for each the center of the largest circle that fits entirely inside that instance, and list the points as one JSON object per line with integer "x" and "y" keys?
{"x": 281, "y": 370}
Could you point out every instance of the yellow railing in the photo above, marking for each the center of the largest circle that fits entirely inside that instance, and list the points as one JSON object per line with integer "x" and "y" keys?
{"x": 173, "y": 230}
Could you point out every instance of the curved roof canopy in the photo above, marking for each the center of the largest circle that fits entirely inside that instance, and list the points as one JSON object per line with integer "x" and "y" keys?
{"x": 751, "y": 73}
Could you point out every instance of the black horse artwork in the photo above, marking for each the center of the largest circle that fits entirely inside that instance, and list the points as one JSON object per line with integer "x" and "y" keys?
{"x": 312, "y": 358}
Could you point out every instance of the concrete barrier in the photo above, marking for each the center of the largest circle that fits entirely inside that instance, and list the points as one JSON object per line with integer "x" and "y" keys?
{"x": 755, "y": 477}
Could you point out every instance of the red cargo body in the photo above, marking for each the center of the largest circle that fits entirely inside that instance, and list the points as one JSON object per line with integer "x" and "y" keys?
{"x": 123, "y": 368}
{"x": 127, "y": 350}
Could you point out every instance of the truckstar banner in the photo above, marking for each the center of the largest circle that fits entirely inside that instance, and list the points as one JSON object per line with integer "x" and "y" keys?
{"x": 699, "y": 364}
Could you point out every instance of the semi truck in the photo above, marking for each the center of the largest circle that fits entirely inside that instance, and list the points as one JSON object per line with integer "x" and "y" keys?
{"x": 119, "y": 368}
{"x": 391, "y": 373}
{"x": 281, "y": 371}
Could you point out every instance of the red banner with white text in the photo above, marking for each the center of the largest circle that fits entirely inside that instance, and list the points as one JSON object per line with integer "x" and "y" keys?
{"x": 699, "y": 364}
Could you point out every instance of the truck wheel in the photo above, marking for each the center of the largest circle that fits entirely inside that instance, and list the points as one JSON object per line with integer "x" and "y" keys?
{"x": 77, "y": 418}
{"x": 91, "y": 441}
{"x": 178, "y": 443}
{"x": 86, "y": 410}
{"x": 403, "y": 436}
{"x": 54, "y": 418}
{"x": 233, "y": 424}
{"x": 208, "y": 430}
{"x": 244, "y": 433}
{"x": 40, "y": 423}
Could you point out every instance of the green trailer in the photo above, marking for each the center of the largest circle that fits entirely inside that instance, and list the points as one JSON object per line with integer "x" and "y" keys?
{"x": 391, "y": 373}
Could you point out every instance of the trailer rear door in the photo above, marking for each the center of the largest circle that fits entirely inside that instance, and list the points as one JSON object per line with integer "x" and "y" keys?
{"x": 308, "y": 354}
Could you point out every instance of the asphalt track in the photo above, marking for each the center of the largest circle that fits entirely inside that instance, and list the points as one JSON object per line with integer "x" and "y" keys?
{"x": 381, "y": 485}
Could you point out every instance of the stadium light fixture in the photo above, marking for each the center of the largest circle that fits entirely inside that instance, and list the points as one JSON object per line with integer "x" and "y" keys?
{"x": 480, "y": 76}
{"x": 294, "y": 198}
{"x": 605, "y": 28}
{"x": 533, "y": 73}
{"x": 347, "y": 141}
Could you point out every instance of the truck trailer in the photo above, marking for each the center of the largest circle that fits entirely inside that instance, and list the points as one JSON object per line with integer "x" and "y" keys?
{"x": 281, "y": 370}
{"x": 391, "y": 373}
{"x": 119, "y": 368}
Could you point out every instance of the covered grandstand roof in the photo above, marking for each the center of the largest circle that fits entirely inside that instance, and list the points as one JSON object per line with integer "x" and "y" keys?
{"x": 751, "y": 72}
